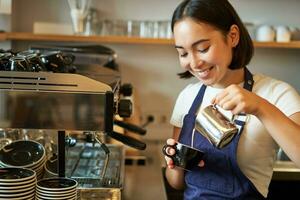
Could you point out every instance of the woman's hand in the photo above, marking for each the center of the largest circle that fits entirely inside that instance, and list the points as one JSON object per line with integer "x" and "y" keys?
{"x": 238, "y": 100}
{"x": 170, "y": 151}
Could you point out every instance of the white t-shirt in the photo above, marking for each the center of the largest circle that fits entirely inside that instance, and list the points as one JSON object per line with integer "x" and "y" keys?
{"x": 256, "y": 149}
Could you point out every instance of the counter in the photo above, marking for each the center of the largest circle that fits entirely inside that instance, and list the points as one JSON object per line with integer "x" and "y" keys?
{"x": 286, "y": 171}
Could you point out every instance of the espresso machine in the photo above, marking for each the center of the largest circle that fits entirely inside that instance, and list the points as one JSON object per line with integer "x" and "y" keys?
{"x": 76, "y": 113}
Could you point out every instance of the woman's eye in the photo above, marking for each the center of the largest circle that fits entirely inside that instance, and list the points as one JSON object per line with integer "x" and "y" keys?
{"x": 204, "y": 50}
{"x": 182, "y": 55}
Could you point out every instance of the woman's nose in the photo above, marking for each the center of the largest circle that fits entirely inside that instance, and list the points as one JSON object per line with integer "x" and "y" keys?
{"x": 196, "y": 62}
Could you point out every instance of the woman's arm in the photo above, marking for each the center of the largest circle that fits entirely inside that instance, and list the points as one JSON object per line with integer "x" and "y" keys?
{"x": 284, "y": 130}
{"x": 175, "y": 175}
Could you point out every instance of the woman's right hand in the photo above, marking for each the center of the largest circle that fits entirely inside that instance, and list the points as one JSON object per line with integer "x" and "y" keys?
{"x": 170, "y": 151}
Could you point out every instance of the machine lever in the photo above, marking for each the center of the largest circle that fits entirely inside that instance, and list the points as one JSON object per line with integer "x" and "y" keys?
{"x": 130, "y": 127}
{"x": 130, "y": 141}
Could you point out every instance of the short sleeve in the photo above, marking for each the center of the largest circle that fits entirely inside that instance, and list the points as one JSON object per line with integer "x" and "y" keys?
{"x": 286, "y": 98}
{"x": 183, "y": 104}
{"x": 178, "y": 114}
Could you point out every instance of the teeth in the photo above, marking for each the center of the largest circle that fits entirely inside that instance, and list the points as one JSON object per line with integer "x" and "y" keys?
{"x": 203, "y": 71}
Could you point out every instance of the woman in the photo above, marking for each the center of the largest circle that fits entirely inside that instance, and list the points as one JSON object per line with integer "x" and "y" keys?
{"x": 214, "y": 46}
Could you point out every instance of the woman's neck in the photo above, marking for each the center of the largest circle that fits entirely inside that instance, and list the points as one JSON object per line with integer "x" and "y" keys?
{"x": 231, "y": 77}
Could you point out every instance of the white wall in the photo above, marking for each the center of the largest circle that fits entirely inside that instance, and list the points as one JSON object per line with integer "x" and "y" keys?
{"x": 152, "y": 68}
{"x": 5, "y": 25}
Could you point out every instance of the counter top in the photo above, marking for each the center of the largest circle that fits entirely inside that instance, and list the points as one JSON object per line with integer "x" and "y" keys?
{"x": 286, "y": 171}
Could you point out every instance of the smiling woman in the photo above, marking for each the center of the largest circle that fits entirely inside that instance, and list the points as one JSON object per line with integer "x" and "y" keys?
{"x": 214, "y": 46}
{"x": 203, "y": 56}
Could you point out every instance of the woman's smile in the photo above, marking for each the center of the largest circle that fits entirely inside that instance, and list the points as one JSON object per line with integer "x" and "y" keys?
{"x": 203, "y": 74}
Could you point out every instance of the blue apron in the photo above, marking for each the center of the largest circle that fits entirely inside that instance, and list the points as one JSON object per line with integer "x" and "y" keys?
{"x": 221, "y": 177}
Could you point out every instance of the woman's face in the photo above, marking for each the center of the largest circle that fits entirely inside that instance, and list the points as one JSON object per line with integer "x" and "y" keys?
{"x": 204, "y": 51}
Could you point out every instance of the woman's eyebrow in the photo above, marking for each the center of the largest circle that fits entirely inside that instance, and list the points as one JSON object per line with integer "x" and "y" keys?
{"x": 194, "y": 44}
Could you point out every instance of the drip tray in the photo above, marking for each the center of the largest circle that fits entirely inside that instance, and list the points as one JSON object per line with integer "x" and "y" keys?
{"x": 86, "y": 164}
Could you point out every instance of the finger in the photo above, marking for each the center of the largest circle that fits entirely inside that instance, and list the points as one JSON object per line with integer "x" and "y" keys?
{"x": 236, "y": 105}
{"x": 213, "y": 101}
{"x": 170, "y": 151}
{"x": 238, "y": 109}
{"x": 229, "y": 105}
{"x": 171, "y": 141}
{"x": 201, "y": 163}
{"x": 224, "y": 101}
{"x": 169, "y": 161}
{"x": 220, "y": 96}
{"x": 171, "y": 166}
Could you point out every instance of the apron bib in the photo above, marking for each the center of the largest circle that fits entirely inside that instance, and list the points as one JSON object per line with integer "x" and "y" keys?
{"x": 221, "y": 177}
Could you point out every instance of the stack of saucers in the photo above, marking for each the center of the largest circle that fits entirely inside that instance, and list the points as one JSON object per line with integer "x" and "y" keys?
{"x": 24, "y": 154}
{"x": 17, "y": 183}
{"x": 56, "y": 188}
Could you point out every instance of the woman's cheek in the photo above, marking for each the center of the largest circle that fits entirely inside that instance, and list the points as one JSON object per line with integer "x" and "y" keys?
{"x": 184, "y": 64}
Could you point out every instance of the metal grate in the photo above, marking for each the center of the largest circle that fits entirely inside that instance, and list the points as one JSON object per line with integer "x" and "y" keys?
{"x": 86, "y": 163}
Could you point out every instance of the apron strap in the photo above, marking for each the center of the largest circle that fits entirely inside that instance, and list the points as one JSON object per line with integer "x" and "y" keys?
{"x": 241, "y": 119}
{"x": 249, "y": 82}
{"x": 198, "y": 100}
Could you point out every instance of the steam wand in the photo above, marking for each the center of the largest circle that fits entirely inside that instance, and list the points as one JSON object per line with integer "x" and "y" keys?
{"x": 107, "y": 152}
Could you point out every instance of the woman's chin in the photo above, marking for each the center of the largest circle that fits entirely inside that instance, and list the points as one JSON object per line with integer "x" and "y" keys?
{"x": 208, "y": 82}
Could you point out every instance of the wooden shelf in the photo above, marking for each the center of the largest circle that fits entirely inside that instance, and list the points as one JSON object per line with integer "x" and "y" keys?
{"x": 289, "y": 45}
{"x": 15, "y": 36}
{"x": 81, "y": 38}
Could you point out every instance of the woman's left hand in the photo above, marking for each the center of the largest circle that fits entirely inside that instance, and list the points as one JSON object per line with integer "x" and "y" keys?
{"x": 238, "y": 100}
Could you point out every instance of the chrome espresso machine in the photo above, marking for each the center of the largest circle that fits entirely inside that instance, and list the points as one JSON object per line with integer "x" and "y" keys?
{"x": 72, "y": 115}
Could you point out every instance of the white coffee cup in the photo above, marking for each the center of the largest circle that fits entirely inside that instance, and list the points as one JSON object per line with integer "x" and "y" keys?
{"x": 283, "y": 34}
{"x": 265, "y": 33}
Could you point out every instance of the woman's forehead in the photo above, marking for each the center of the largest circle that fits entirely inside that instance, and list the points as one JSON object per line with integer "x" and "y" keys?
{"x": 188, "y": 31}
{"x": 190, "y": 25}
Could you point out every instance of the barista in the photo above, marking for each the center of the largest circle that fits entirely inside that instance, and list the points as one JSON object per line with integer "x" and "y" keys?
{"x": 214, "y": 46}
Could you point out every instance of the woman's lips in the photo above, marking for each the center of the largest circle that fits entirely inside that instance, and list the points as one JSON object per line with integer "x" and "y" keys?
{"x": 203, "y": 73}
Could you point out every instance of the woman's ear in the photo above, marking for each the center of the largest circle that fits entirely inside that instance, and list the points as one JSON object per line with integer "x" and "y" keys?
{"x": 234, "y": 35}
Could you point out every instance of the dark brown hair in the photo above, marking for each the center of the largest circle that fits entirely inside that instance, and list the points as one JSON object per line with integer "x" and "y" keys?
{"x": 221, "y": 15}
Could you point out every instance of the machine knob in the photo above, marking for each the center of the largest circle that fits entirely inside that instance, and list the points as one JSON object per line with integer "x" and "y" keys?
{"x": 70, "y": 142}
{"x": 126, "y": 89}
{"x": 124, "y": 108}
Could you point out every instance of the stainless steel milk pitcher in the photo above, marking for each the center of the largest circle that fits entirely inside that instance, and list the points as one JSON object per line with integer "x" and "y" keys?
{"x": 213, "y": 125}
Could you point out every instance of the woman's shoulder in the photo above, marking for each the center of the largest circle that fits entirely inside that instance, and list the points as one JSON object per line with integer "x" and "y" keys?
{"x": 273, "y": 89}
{"x": 264, "y": 82}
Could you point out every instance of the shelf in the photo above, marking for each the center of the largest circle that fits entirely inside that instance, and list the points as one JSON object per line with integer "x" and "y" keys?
{"x": 288, "y": 45}
{"x": 81, "y": 38}
{"x": 19, "y": 36}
